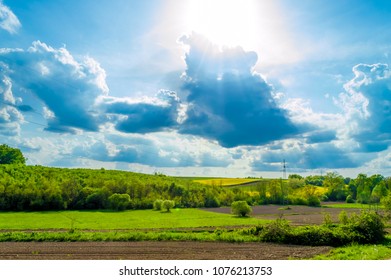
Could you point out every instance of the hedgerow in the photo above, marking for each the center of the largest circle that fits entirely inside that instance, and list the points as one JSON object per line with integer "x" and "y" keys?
{"x": 366, "y": 228}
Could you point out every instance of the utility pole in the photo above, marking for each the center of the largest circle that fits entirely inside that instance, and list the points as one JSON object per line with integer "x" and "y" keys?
{"x": 283, "y": 178}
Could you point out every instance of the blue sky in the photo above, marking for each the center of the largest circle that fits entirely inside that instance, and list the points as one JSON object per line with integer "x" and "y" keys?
{"x": 198, "y": 88}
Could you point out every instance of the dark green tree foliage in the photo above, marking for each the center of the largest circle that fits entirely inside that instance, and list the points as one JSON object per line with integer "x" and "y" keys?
{"x": 386, "y": 202}
{"x": 336, "y": 187}
{"x": 43, "y": 188}
{"x": 315, "y": 180}
{"x": 10, "y": 155}
{"x": 119, "y": 201}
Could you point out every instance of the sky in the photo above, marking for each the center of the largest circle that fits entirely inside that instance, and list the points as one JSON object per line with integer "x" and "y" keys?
{"x": 224, "y": 88}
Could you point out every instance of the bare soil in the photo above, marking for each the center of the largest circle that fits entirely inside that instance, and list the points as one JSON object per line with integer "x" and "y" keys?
{"x": 298, "y": 215}
{"x": 154, "y": 251}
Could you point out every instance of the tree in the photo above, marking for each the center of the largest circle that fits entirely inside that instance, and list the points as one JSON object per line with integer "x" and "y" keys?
{"x": 379, "y": 192}
{"x": 119, "y": 201}
{"x": 364, "y": 191}
{"x": 240, "y": 208}
{"x": 157, "y": 204}
{"x": 9, "y": 155}
{"x": 335, "y": 184}
{"x": 168, "y": 204}
{"x": 386, "y": 202}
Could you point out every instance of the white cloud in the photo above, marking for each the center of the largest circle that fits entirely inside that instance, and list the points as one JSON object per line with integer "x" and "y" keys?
{"x": 68, "y": 88}
{"x": 10, "y": 117}
{"x": 367, "y": 107}
{"x": 8, "y": 20}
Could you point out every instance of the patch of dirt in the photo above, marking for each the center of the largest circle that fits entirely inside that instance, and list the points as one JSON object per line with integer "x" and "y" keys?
{"x": 155, "y": 251}
{"x": 298, "y": 215}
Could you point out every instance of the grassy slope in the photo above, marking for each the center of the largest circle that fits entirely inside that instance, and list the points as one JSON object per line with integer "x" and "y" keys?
{"x": 137, "y": 219}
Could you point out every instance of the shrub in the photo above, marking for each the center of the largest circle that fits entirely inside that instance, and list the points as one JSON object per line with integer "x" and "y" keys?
{"x": 343, "y": 217}
{"x": 386, "y": 202}
{"x": 324, "y": 198}
{"x": 366, "y": 228}
{"x": 295, "y": 200}
{"x": 240, "y": 208}
{"x": 211, "y": 201}
{"x": 276, "y": 231}
{"x": 313, "y": 201}
{"x": 168, "y": 204}
{"x": 327, "y": 221}
{"x": 157, "y": 204}
{"x": 119, "y": 202}
{"x": 349, "y": 199}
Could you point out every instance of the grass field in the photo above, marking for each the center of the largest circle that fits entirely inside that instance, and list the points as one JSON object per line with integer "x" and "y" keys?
{"x": 351, "y": 206}
{"x": 136, "y": 219}
{"x": 360, "y": 252}
{"x": 226, "y": 182}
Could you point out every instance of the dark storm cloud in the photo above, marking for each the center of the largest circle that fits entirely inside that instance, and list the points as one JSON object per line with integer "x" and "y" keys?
{"x": 133, "y": 150}
{"x": 143, "y": 117}
{"x": 324, "y": 155}
{"x": 227, "y": 101}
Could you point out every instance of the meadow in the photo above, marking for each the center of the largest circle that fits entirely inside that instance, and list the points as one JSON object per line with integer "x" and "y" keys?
{"x": 124, "y": 220}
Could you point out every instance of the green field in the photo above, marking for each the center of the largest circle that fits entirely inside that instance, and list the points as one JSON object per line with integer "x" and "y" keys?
{"x": 129, "y": 220}
{"x": 351, "y": 206}
{"x": 360, "y": 252}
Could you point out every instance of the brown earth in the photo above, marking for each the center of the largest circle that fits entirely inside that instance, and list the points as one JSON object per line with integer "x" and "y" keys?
{"x": 149, "y": 250}
{"x": 298, "y": 215}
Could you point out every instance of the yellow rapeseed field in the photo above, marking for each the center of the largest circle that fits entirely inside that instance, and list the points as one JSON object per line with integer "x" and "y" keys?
{"x": 225, "y": 182}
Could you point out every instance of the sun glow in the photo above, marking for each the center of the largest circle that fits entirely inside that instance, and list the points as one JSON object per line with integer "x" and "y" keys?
{"x": 255, "y": 25}
{"x": 225, "y": 22}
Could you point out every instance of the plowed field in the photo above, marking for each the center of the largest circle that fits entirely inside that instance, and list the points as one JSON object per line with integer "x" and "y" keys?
{"x": 297, "y": 215}
{"x": 154, "y": 251}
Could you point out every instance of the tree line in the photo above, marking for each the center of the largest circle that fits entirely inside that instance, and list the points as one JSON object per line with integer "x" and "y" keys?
{"x": 44, "y": 188}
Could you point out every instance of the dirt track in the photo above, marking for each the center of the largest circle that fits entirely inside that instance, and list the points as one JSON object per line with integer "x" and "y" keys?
{"x": 154, "y": 251}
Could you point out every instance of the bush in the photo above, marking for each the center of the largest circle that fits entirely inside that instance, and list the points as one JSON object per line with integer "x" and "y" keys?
{"x": 275, "y": 232}
{"x": 119, "y": 202}
{"x": 366, "y": 228}
{"x": 327, "y": 221}
{"x": 343, "y": 217}
{"x": 168, "y": 204}
{"x": 240, "y": 208}
{"x": 313, "y": 201}
{"x": 295, "y": 200}
{"x": 279, "y": 231}
{"x": 386, "y": 202}
{"x": 349, "y": 199}
{"x": 211, "y": 201}
{"x": 157, "y": 204}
